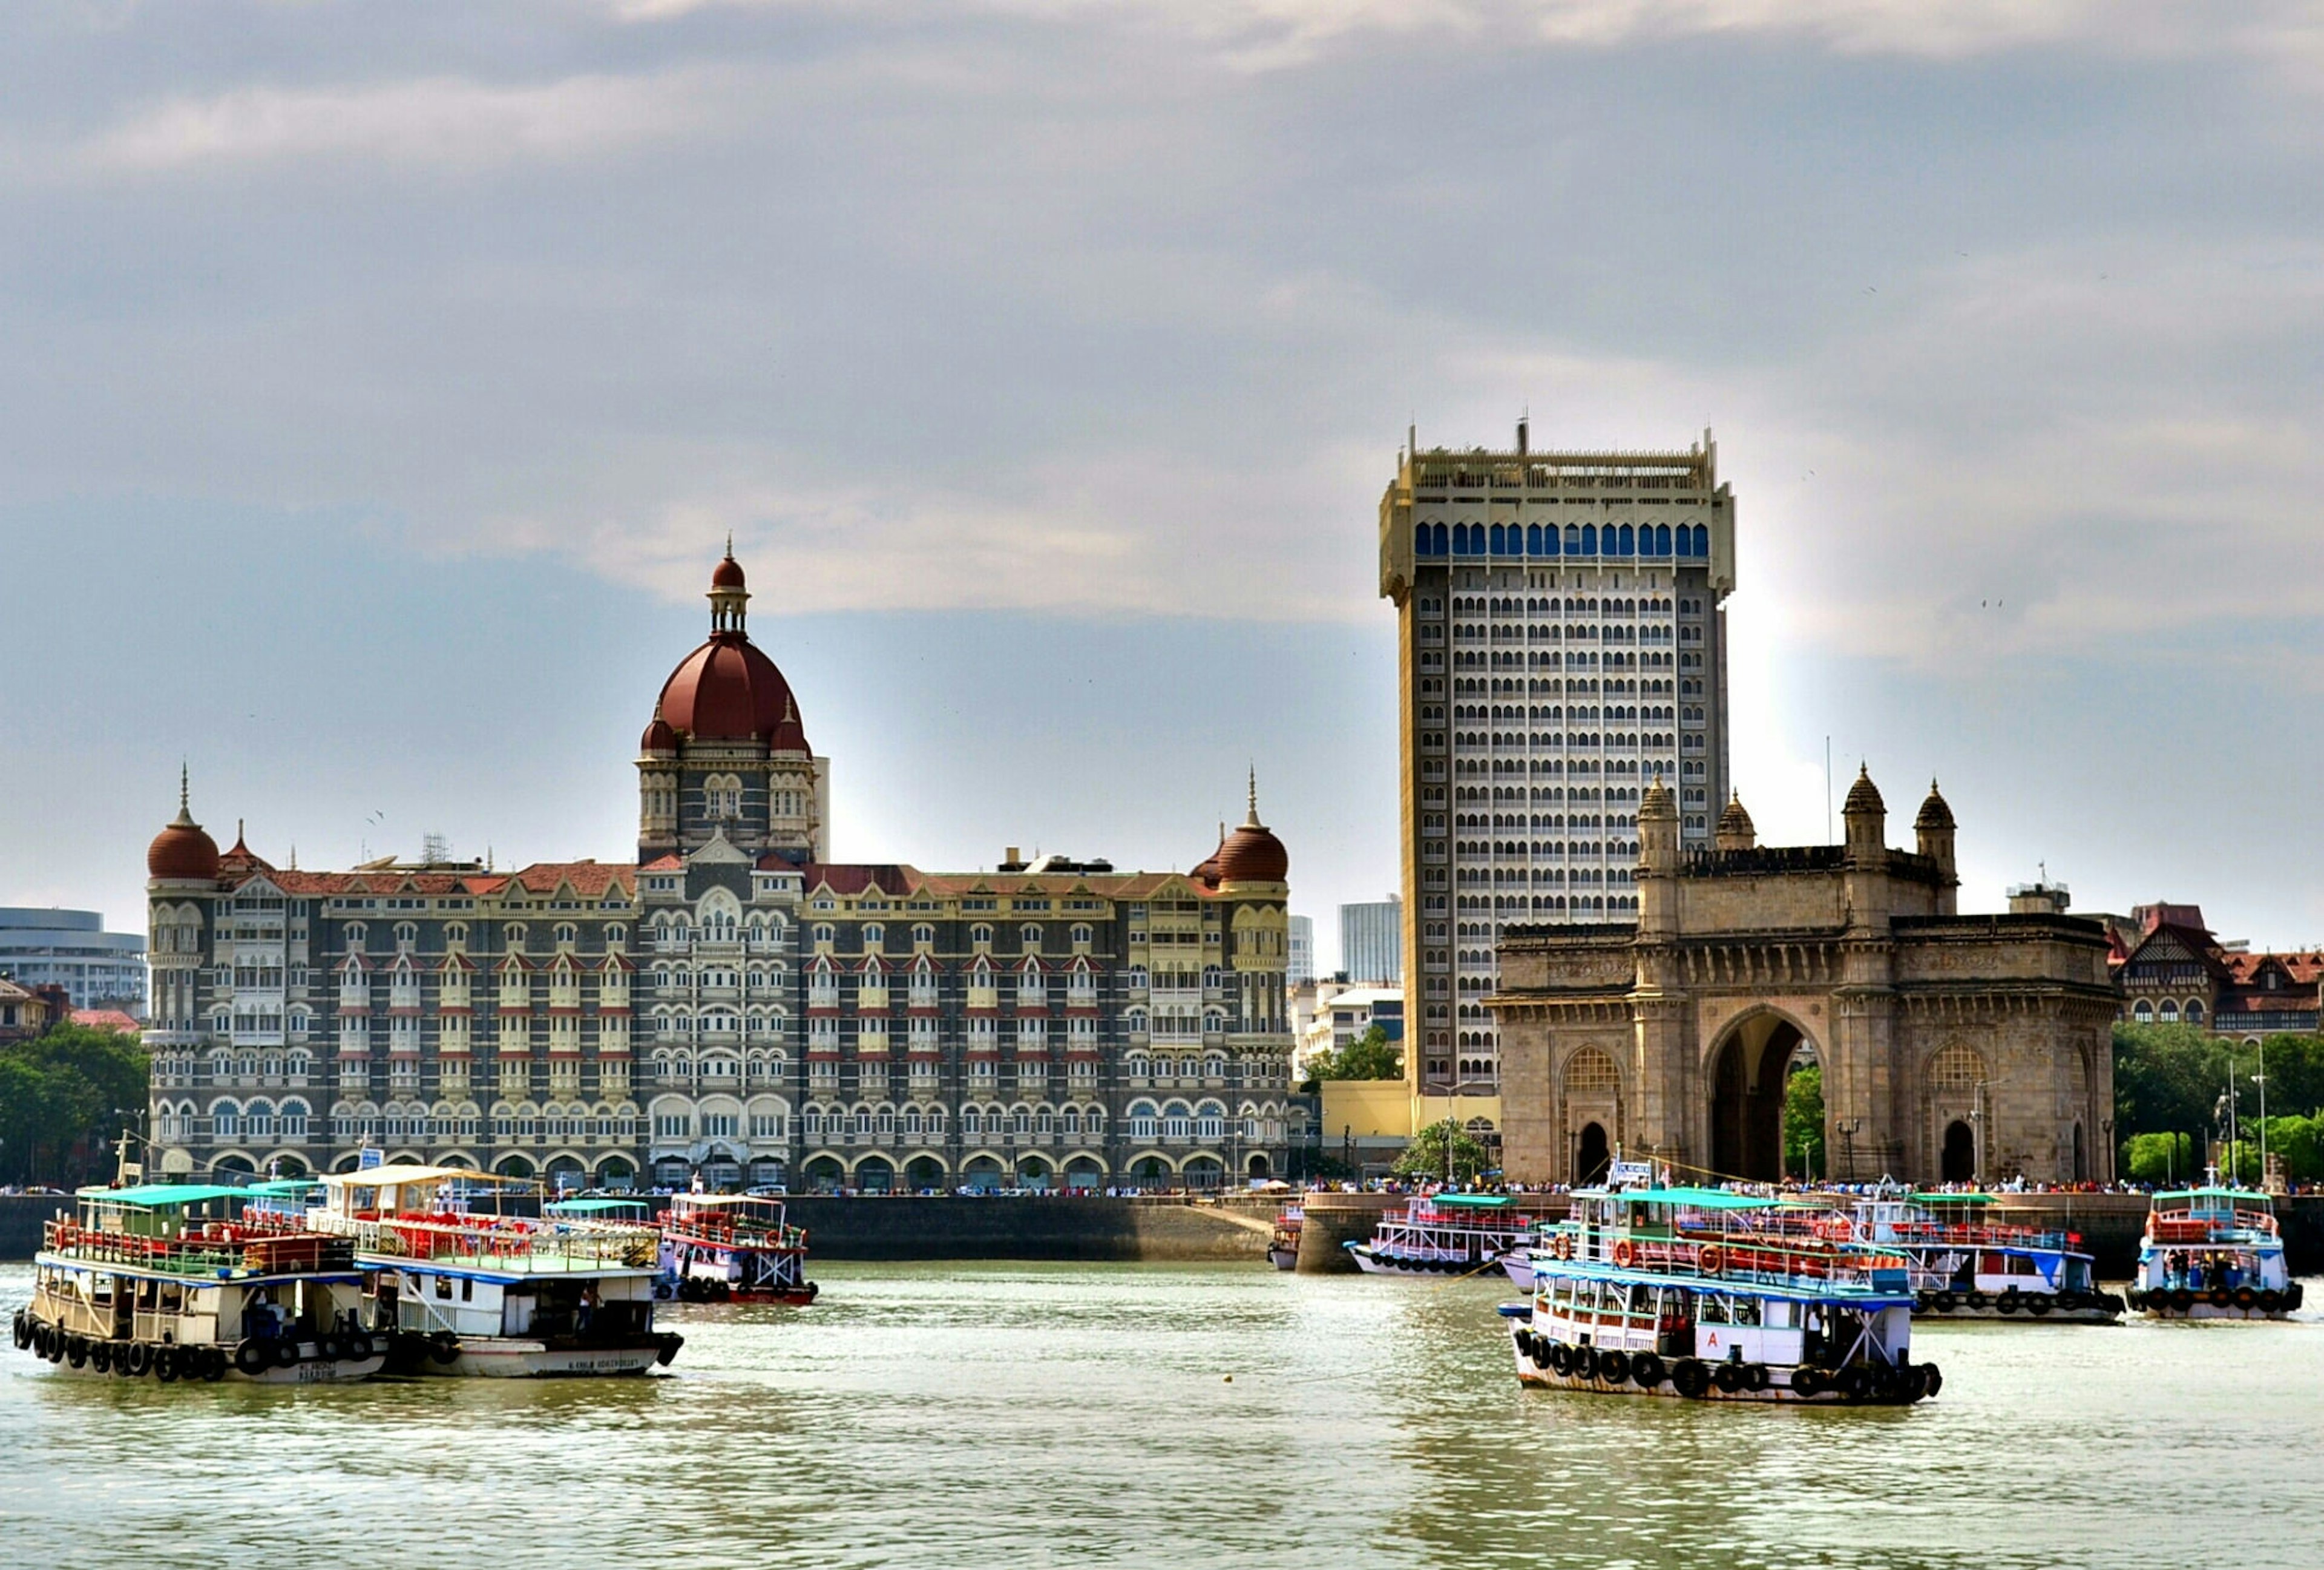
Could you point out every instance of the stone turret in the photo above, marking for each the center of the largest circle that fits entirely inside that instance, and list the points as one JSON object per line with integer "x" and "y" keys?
{"x": 1867, "y": 818}
{"x": 1657, "y": 862}
{"x": 1735, "y": 831}
{"x": 1932, "y": 833}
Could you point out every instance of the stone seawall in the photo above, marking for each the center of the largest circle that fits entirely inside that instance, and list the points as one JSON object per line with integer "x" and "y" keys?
{"x": 949, "y": 1228}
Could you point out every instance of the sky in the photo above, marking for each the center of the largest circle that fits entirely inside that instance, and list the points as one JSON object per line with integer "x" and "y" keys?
{"x": 378, "y": 386}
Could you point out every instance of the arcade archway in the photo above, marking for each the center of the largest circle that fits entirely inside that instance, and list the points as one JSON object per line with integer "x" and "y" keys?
{"x": 1749, "y": 1071}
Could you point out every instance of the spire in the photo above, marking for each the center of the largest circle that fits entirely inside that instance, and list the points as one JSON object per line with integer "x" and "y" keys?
{"x": 181, "y": 786}
{"x": 1251, "y": 821}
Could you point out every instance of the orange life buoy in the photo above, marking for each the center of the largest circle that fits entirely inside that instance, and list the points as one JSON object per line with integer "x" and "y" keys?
{"x": 1709, "y": 1260}
{"x": 1624, "y": 1254}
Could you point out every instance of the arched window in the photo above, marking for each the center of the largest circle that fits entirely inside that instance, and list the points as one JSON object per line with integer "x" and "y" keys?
{"x": 1029, "y": 936}
{"x": 874, "y": 936}
{"x": 1590, "y": 540}
{"x": 1701, "y": 540}
{"x": 1141, "y": 1120}
{"x": 1625, "y": 543}
{"x": 295, "y": 1114}
{"x": 1662, "y": 539}
{"x": 2169, "y": 1012}
{"x": 225, "y": 1121}
{"x": 1499, "y": 540}
{"x": 1420, "y": 539}
{"x": 1437, "y": 542}
{"x": 2194, "y": 1010}
{"x": 980, "y": 933}
{"x": 2142, "y": 1012}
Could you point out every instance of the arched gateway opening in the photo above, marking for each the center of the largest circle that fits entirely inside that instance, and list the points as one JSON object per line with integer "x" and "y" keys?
{"x": 1590, "y": 1157}
{"x": 1749, "y": 1072}
{"x": 1960, "y": 1153}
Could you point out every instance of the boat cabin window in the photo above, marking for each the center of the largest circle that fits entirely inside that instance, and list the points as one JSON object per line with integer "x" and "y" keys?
{"x": 467, "y": 1290}
{"x": 1713, "y": 1308}
{"x": 444, "y": 1287}
{"x": 173, "y": 1298}
{"x": 1779, "y": 1315}
{"x": 1747, "y": 1310}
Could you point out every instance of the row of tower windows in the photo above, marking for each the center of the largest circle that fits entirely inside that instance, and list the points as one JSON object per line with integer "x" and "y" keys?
{"x": 1693, "y": 540}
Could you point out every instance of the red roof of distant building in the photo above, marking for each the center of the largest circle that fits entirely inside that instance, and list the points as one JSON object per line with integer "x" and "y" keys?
{"x": 107, "y": 1020}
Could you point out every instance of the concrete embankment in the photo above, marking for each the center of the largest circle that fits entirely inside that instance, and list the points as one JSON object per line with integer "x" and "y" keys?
{"x": 1233, "y": 1228}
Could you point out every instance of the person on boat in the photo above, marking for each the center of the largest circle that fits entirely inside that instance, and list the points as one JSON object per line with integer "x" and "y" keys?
{"x": 588, "y": 1308}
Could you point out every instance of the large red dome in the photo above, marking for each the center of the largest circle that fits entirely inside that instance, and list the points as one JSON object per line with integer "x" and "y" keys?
{"x": 729, "y": 691}
{"x": 182, "y": 850}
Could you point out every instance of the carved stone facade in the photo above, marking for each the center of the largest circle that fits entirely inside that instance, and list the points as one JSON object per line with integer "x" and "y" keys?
{"x": 1953, "y": 1047}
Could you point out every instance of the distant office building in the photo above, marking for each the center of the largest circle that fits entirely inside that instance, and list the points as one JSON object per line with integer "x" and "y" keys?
{"x": 1560, "y": 647}
{"x": 1343, "y": 1013}
{"x": 71, "y": 949}
{"x": 1301, "y": 968}
{"x": 1371, "y": 941}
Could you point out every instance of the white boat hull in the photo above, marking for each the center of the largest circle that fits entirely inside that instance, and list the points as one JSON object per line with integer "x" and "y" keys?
{"x": 515, "y": 1358}
{"x": 1373, "y": 1264}
{"x": 1519, "y": 1263}
{"x": 1283, "y": 1259}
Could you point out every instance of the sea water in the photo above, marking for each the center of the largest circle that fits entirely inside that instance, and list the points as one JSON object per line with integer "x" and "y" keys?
{"x": 967, "y": 1414}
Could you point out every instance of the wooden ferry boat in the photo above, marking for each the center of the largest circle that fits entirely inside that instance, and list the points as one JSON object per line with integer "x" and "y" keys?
{"x": 1283, "y": 1243}
{"x": 734, "y": 1247}
{"x": 1963, "y": 1265}
{"x": 2213, "y": 1252}
{"x": 1659, "y": 1291}
{"x": 197, "y": 1281}
{"x": 496, "y": 1295}
{"x": 1442, "y": 1234}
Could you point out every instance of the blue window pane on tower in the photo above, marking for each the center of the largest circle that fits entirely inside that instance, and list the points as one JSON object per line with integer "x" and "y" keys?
{"x": 1420, "y": 539}
{"x": 1685, "y": 540}
{"x": 1499, "y": 542}
{"x": 1701, "y": 540}
{"x": 1533, "y": 539}
{"x": 1627, "y": 543}
{"x": 1662, "y": 539}
{"x": 1436, "y": 546}
{"x": 1590, "y": 540}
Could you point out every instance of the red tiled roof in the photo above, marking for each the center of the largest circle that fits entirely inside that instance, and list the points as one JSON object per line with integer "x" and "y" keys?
{"x": 107, "y": 1020}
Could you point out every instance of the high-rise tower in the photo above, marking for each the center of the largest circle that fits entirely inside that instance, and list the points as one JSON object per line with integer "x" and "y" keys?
{"x": 1561, "y": 643}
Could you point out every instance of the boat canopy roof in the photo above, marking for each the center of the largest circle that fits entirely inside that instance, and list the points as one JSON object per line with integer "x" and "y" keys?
{"x": 2212, "y": 1193}
{"x": 1692, "y": 1197}
{"x": 1947, "y": 1196}
{"x": 592, "y": 1206}
{"x": 396, "y": 1175}
{"x": 164, "y": 1195}
{"x": 737, "y": 1199}
{"x": 1479, "y": 1201}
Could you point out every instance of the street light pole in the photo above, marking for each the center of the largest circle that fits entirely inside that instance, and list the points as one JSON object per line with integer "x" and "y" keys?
{"x": 2261, "y": 1079}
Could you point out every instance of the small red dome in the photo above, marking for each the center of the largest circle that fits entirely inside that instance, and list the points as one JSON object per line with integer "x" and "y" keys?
{"x": 1252, "y": 855}
{"x": 658, "y": 737}
{"x": 727, "y": 574}
{"x": 182, "y": 851}
{"x": 727, "y": 691}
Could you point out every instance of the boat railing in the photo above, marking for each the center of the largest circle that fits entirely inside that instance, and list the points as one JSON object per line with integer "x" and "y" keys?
{"x": 216, "y": 1250}
{"x": 1755, "y": 1259}
{"x": 515, "y": 1243}
{"x": 2165, "y": 1226}
{"x": 741, "y": 1235}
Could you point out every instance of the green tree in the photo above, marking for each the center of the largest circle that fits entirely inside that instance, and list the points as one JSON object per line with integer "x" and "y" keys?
{"x": 63, "y": 1098}
{"x": 1804, "y": 1122}
{"x": 1440, "y": 1149}
{"x": 1370, "y": 1056}
{"x": 2162, "y": 1158}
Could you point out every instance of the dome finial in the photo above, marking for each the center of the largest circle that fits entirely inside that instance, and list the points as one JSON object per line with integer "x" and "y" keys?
{"x": 182, "y": 802}
{"x": 1251, "y": 820}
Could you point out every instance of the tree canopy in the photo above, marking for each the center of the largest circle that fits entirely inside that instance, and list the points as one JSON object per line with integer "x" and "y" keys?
{"x": 1426, "y": 1156}
{"x": 2170, "y": 1081}
{"x": 63, "y": 1098}
{"x": 1370, "y": 1056}
{"x": 1803, "y": 1123}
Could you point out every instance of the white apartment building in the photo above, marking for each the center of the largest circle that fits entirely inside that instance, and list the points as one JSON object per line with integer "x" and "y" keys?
{"x": 1561, "y": 643}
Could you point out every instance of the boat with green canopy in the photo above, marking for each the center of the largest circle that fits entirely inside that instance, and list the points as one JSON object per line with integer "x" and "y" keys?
{"x": 200, "y": 1281}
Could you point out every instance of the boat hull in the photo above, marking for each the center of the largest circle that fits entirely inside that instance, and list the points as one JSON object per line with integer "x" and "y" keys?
{"x": 516, "y": 1358}
{"x": 1778, "y": 1390}
{"x": 1283, "y": 1259}
{"x": 1377, "y": 1264}
{"x": 2028, "y": 1308}
{"x": 189, "y": 1364}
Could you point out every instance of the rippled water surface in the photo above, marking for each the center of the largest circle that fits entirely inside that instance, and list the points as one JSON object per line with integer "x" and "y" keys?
{"x": 972, "y": 1415}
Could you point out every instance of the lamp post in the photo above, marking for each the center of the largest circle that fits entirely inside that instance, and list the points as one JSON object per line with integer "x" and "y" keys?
{"x": 1847, "y": 1127}
{"x": 2106, "y": 1133}
{"x": 2260, "y": 1079}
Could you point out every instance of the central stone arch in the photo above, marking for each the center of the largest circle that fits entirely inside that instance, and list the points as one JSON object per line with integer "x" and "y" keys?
{"x": 1746, "y": 1071}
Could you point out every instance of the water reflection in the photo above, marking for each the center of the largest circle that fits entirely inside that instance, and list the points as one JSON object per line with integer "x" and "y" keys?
{"x": 968, "y": 1415}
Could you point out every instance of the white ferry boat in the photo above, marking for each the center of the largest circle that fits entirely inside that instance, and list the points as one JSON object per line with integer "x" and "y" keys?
{"x": 1442, "y": 1234}
{"x": 734, "y": 1247}
{"x": 496, "y": 1295}
{"x": 1658, "y": 1291}
{"x": 2213, "y": 1252}
{"x": 1964, "y": 1265}
{"x": 197, "y": 1281}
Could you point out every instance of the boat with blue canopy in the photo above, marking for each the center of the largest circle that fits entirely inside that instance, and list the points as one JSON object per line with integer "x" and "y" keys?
{"x": 2213, "y": 1252}
{"x": 1649, "y": 1288}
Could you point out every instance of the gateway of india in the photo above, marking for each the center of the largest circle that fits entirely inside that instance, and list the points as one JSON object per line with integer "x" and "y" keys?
{"x": 1953, "y": 1047}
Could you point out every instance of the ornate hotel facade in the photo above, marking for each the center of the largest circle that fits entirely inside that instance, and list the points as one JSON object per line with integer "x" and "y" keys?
{"x": 730, "y": 1004}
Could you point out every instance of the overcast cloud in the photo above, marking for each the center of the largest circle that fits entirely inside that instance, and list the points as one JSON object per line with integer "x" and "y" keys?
{"x": 380, "y": 383}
